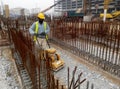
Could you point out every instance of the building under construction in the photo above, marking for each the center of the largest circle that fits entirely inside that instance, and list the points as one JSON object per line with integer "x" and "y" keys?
{"x": 83, "y": 7}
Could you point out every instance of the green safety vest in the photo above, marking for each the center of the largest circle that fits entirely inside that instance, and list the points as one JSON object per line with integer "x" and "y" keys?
{"x": 36, "y": 29}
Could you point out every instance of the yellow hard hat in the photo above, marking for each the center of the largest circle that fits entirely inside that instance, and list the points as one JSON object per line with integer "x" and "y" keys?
{"x": 41, "y": 16}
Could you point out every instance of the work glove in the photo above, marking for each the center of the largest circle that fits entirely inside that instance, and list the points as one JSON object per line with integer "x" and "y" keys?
{"x": 43, "y": 33}
{"x": 36, "y": 34}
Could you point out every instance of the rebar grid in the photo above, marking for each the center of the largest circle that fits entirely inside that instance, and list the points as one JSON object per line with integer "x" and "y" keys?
{"x": 97, "y": 42}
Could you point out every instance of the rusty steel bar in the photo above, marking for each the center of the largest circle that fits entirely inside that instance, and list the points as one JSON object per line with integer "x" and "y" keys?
{"x": 39, "y": 65}
{"x": 78, "y": 79}
{"x": 98, "y": 42}
{"x": 92, "y": 41}
{"x": 68, "y": 76}
{"x": 62, "y": 87}
{"x": 113, "y": 54}
{"x": 90, "y": 38}
{"x": 92, "y": 86}
{"x": 80, "y": 83}
{"x": 72, "y": 80}
{"x": 57, "y": 85}
{"x": 87, "y": 85}
{"x": 75, "y": 83}
{"x": 106, "y": 43}
{"x": 87, "y": 40}
{"x": 39, "y": 84}
{"x": 110, "y": 47}
{"x": 118, "y": 48}
{"x": 95, "y": 36}
{"x": 109, "y": 28}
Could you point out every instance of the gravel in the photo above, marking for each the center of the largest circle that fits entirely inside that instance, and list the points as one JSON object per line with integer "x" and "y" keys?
{"x": 8, "y": 76}
{"x": 99, "y": 81}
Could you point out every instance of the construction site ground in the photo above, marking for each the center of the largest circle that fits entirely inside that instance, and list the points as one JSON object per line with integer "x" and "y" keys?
{"x": 98, "y": 78}
{"x": 9, "y": 78}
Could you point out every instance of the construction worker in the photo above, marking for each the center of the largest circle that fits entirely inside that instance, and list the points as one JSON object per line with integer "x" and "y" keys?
{"x": 40, "y": 30}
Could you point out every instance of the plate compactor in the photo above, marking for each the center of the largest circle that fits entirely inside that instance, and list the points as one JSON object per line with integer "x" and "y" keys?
{"x": 56, "y": 62}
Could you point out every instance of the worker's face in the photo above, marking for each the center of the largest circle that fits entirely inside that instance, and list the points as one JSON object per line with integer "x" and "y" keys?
{"x": 41, "y": 21}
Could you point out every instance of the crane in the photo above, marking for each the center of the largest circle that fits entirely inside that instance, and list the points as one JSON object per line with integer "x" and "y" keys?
{"x": 50, "y": 7}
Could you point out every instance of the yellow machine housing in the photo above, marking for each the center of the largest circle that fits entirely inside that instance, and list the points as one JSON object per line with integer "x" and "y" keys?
{"x": 56, "y": 62}
{"x": 111, "y": 15}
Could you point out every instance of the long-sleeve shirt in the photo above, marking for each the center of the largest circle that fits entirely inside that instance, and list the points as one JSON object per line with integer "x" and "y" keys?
{"x": 40, "y": 29}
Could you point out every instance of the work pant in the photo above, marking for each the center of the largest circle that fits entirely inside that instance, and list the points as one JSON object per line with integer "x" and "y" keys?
{"x": 40, "y": 44}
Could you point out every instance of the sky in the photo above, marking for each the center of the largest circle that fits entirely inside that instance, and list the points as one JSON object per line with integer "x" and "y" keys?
{"x": 29, "y": 4}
